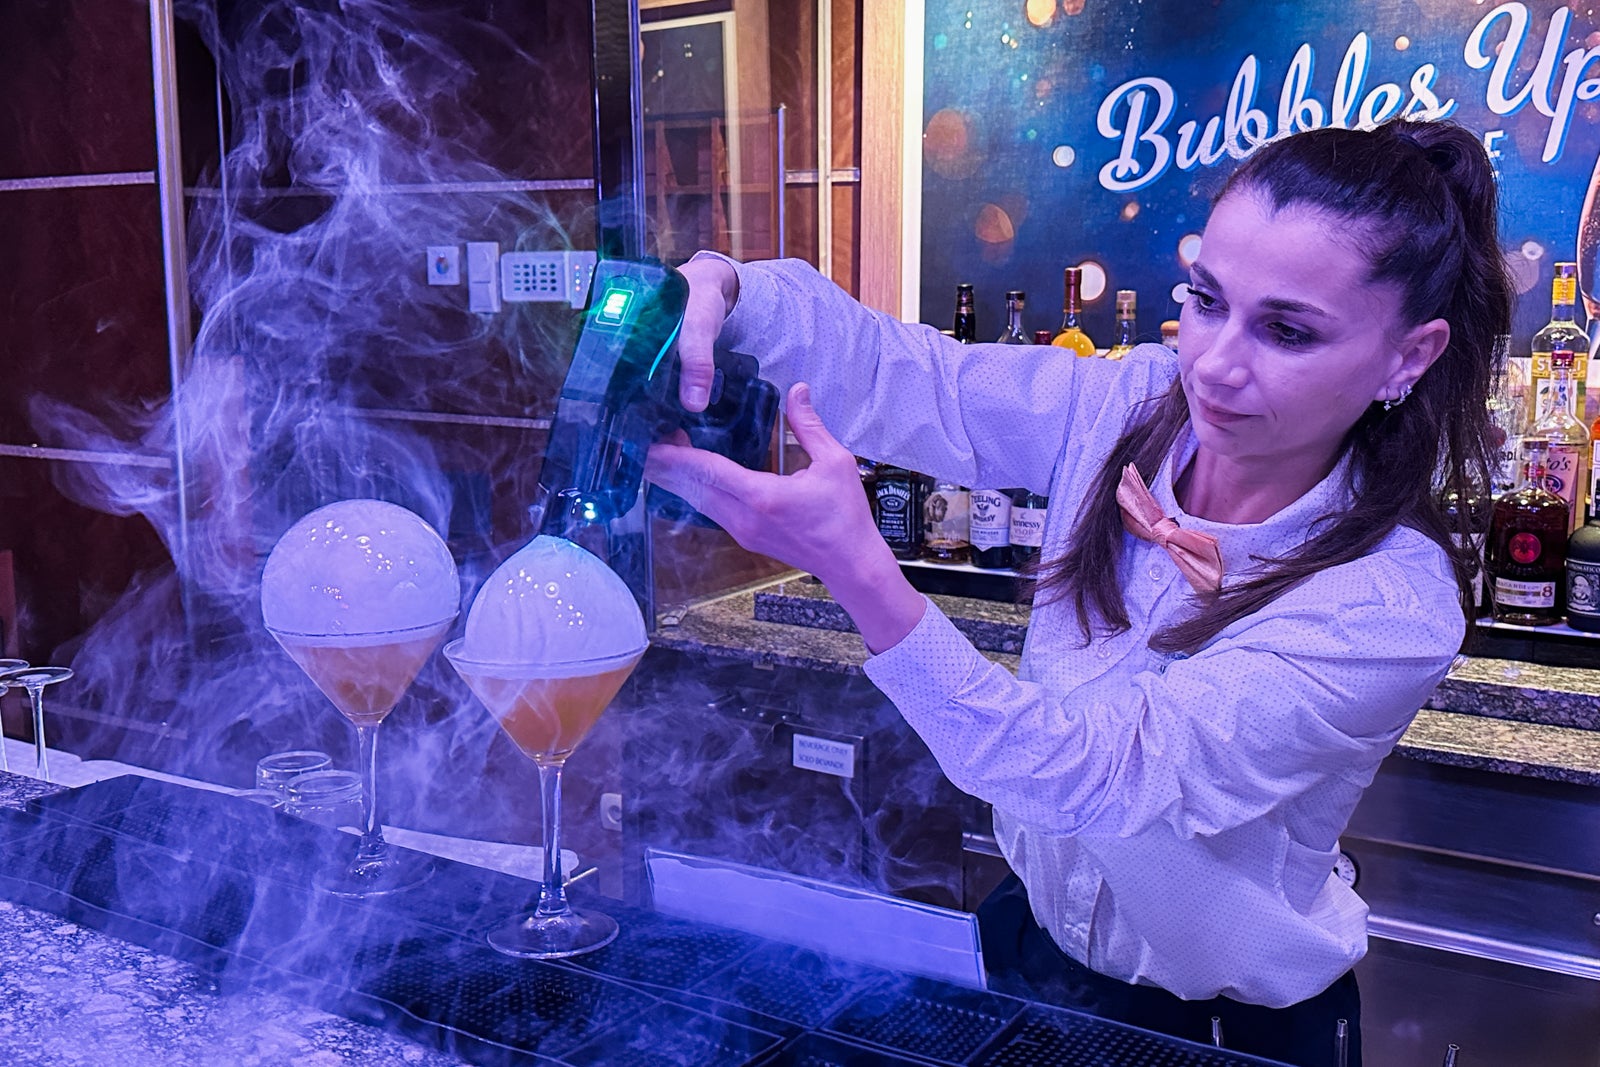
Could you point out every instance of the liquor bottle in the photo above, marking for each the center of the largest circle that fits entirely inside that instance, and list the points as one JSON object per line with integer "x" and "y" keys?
{"x": 1127, "y": 302}
{"x": 1041, "y": 337}
{"x": 991, "y": 529}
{"x": 868, "y": 472}
{"x": 1561, "y": 332}
{"x": 1477, "y": 507}
{"x": 1583, "y": 577}
{"x": 1566, "y": 442}
{"x": 966, "y": 324}
{"x": 1016, "y": 300}
{"x": 1169, "y": 333}
{"x": 1508, "y": 412}
{"x": 1071, "y": 334}
{"x": 1027, "y": 525}
{"x": 899, "y": 496}
{"x": 1527, "y": 550}
{"x": 947, "y": 524}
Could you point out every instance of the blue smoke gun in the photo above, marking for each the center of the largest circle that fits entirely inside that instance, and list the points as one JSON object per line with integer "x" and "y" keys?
{"x": 621, "y": 395}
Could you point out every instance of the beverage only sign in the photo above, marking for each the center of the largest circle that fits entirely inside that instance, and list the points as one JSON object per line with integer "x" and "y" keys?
{"x": 1096, "y": 132}
{"x": 1521, "y": 67}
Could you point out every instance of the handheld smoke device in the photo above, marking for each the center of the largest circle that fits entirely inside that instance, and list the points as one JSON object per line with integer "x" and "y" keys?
{"x": 621, "y": 395}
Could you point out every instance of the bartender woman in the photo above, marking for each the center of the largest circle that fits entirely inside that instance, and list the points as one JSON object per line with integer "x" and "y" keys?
{"x": 1247, "y": 589}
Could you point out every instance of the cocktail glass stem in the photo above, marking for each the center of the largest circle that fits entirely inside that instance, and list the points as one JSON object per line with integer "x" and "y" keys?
{"x": 5, "y": 761}
{"x": 36, "y": 697}
{"x": 553, "y": 894}
{"x": 373, "y": 847}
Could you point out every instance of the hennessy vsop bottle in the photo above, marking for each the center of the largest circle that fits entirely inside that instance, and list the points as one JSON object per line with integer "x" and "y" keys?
{"x": 1527, "y": 549}
{"x": 1071, "y": 334}
{"x": 966, "y": 324}
{"x": 1016, "y": 300}
{"x": 1561, "y": 332}
{"x": 1127, "y": 304}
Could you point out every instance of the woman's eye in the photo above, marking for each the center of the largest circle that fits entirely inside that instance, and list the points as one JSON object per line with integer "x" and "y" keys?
{"x": 1204, "y": 302}
{"x": 1288, "y": 336}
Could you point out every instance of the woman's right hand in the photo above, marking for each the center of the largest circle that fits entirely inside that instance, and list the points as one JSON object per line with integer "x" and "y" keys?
{"x": 713, "y": 290}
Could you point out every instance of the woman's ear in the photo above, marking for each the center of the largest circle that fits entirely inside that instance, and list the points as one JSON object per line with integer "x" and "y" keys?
{"x": 1418, "y": 348}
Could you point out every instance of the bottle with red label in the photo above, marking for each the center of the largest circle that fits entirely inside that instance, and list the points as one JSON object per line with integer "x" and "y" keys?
{"x": 1528, "y": 548}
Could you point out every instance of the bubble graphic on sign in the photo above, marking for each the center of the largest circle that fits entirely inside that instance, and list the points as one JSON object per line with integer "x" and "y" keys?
{"x": 947, "y": 144}
{"x": 1524, "y": 270}
{"x": 1401, "y": 43}
{"x": 1180, "y": 292}
{"x": 1063, "y": 155}
{"x": 1533, "y": 250}
{"x": 1130, "y": 211}
{"x": 1072, "y": 7}
{"x": 1188, "y": 248}
{"x": 994, "y": 225}
{"x": 1094, "y": 279}
{"x": 1040, "y": 12}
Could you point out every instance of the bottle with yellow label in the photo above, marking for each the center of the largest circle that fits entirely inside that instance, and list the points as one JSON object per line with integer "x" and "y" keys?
{"x": 1071, "y": 335}
{"x": 1127, "y": 306}
{"x": 1562, "y": 332}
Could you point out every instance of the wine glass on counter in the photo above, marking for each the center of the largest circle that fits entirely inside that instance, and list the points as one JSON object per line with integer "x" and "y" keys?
{"x": 34, "y": 680}
{"x": 5, "y": 666}
{"x": 360, "y": 593}
{"x": 550, "y": 640}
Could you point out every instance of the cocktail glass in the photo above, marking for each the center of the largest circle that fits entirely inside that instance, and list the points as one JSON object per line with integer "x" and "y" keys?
{"x": 6, "y": 665}
{"x": 360, "y": 593}
{"x": 547, "y": 709}
{"x": 364, "y": 676}
{"x": 34, "y": 679}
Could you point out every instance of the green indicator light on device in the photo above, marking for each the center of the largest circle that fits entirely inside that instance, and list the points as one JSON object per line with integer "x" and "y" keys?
{"x": 614, "y": 307}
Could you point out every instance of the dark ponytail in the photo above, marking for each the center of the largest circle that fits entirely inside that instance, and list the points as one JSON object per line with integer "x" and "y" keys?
{"x": 1420, "y": 198}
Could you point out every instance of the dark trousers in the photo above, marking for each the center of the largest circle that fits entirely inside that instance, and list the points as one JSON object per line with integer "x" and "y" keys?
{"x": 1023, "y": 961}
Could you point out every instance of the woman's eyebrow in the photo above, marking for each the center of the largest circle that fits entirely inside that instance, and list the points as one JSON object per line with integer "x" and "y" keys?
{"x": 1276, "y": 303}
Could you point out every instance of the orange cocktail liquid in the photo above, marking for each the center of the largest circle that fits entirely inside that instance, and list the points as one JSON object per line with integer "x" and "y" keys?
{"x": 547, "y": 717}
{"x": 364, "y": 681}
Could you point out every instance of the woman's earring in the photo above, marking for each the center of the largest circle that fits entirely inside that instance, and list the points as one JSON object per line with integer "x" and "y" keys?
{"x": 1390, "y": 405}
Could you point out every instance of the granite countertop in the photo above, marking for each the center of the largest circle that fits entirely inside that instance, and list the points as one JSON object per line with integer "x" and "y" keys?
{"x": 86, "y": 997}
{"x": 1498, "y": 715}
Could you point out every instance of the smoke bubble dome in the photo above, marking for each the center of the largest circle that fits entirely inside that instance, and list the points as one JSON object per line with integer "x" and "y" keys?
{"x": 553, "y": 603}
{"x": 359, "y": 567}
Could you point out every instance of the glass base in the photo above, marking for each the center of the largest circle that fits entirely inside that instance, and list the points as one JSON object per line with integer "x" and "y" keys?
{"x": 551, "y": 937}
{"x": 394, "y": 873}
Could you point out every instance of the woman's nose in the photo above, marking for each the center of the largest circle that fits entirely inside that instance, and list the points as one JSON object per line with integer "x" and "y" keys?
{"x": 1223, "y": 362}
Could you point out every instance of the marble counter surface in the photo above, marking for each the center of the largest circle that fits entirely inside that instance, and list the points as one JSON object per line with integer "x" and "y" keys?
{"x": 1499, "y": 715}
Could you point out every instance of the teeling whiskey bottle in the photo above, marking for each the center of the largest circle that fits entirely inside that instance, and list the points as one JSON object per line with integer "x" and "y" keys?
{"x": 991, "y": 529}
{"x": 1527, "y": 549}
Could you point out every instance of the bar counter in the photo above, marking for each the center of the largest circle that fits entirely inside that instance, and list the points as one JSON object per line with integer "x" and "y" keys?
{"x": 150, "y": 922}
{"x": 1497, "y": 715}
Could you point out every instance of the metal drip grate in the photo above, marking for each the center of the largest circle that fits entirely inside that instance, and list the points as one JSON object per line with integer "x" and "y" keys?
{"x": 789, "y": 984}
{"x": 670, "y": 1036}
{"x": 665, "y": 952}
{"x": 1048, "y": 1038}
{"x": 820, "y": 1050}
{"x": 926, "y": 1018}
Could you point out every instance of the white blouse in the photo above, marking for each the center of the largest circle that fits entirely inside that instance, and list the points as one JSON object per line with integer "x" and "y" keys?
{"x": 1175, "y": 819}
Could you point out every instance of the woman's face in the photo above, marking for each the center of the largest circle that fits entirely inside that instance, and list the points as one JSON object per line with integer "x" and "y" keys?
{"x": 1284, "y": 344}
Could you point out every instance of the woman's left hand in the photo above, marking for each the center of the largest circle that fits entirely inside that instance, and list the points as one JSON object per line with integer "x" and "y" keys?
{"x": 816, "y": 519}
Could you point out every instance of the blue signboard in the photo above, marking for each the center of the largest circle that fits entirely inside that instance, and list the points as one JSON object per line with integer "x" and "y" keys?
{"x": 1060, "y": 132}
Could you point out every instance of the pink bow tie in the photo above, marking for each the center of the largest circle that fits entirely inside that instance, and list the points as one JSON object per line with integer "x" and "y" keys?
{"x": 1195, "y": 553}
